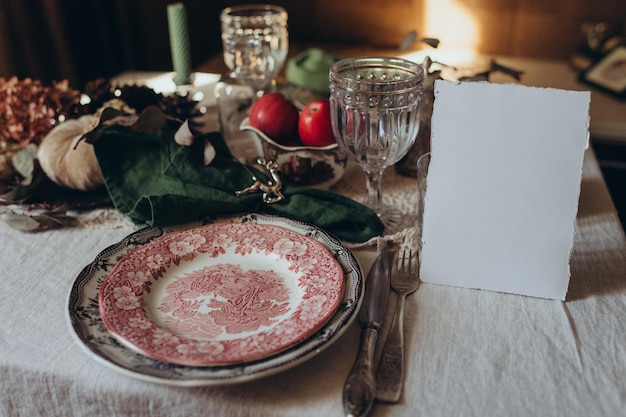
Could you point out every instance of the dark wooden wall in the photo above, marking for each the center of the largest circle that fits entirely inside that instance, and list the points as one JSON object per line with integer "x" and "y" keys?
{"x": 529, "y": 28}
{"x": 85, "y": 39}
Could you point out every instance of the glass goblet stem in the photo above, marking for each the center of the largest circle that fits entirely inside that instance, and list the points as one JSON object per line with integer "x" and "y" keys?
{"x": 373, "y": 196}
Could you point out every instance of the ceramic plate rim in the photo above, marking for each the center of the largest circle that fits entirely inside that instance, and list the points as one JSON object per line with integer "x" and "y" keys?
{"x": 87, "y": 329}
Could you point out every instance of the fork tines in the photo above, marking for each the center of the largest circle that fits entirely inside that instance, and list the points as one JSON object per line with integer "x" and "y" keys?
{"x": 406, "y": 260}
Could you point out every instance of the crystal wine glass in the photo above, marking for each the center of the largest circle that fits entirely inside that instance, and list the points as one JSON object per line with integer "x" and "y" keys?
{"x": 255, "y": 42}
{"x": 375, "y": 119}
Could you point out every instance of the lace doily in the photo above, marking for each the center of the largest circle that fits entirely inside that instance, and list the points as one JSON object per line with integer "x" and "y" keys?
{"x": 104, "y": 218}
{"x": 398, "y": 191}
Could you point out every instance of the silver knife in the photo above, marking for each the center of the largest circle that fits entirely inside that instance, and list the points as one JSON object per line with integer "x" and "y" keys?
{"x": 359, "y": 390}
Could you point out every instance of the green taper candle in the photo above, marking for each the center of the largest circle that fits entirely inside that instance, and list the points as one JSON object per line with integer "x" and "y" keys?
{"x": 179, "y": 42}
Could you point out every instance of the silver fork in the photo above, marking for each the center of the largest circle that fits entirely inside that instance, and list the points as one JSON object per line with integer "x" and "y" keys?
{"x": 390, "y": 373}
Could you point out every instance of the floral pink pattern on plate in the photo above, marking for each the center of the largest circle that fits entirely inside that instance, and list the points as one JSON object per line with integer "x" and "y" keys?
{"x": 220, "y": 294}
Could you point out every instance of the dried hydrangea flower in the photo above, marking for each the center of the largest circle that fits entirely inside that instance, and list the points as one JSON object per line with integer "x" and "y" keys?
{"x": 29, "y": 109}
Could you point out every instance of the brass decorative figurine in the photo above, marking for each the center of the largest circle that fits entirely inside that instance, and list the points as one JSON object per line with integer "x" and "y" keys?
{"x": 271, "y": 189}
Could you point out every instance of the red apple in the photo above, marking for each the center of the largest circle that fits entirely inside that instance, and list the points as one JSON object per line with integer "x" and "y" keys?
{"x": 276, "y": 116}
{"x": 314, "y": 125}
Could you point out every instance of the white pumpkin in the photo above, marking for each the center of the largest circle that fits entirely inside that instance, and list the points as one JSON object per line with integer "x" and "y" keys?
{"x": 66, "y": 161}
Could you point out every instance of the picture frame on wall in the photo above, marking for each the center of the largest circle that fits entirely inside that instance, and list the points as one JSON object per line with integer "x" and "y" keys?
{"x": 609, "y": 73}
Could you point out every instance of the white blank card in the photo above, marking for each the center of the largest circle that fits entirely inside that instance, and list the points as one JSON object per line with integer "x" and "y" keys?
{"x": 503, "y": 186}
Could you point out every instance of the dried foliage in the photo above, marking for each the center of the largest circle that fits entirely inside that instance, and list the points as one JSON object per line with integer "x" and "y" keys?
{"x": 138, "y": 97}
{"x": 29, "y": 110}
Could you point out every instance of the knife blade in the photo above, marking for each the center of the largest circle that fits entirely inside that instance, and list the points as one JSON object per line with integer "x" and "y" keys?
{"x": 359, "y": 389}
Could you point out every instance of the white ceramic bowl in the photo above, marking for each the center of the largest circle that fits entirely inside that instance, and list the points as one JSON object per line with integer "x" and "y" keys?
{"x": 319, "y": 167}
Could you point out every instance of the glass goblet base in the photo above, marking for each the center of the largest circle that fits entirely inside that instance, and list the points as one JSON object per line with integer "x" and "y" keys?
{"x": 394, "y": 219}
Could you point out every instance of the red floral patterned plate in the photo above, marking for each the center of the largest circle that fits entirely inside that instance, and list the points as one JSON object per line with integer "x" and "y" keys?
{"x": 220, "y": 294}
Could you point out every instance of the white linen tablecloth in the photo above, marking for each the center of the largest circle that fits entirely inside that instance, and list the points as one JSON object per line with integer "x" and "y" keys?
{"x": 469, "y": 352}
